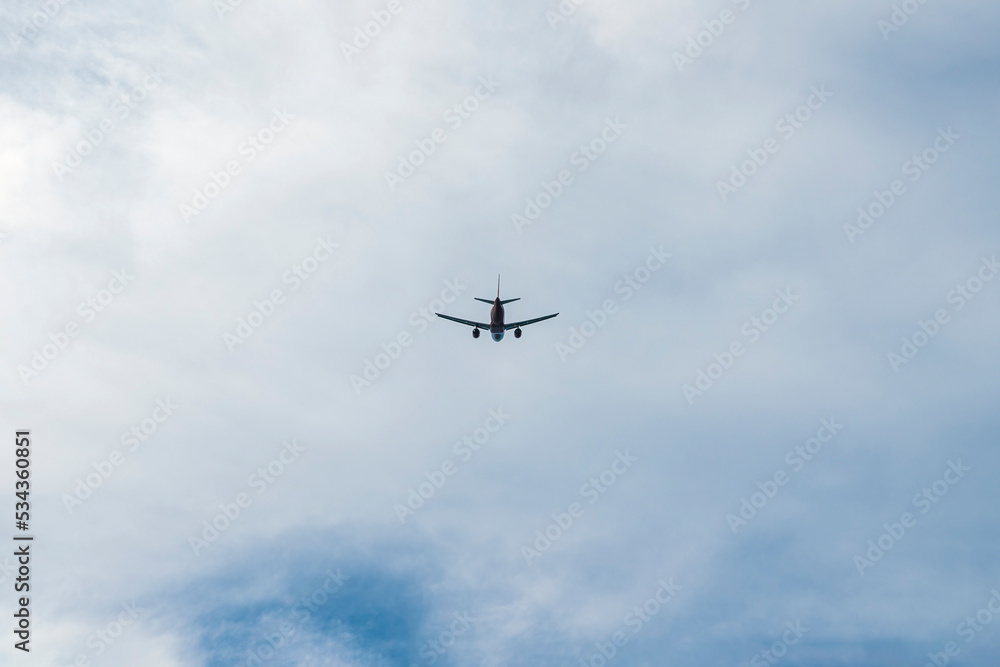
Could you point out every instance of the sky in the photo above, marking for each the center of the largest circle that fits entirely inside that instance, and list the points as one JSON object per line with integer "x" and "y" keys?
{"x": 761, "y": 430}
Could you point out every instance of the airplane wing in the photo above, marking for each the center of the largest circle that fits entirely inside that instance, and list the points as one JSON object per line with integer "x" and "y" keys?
{"x": 514, "y": 325}
{"x": 466, "y": 322}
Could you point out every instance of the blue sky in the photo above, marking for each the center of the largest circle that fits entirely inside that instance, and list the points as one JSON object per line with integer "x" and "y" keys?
{"x": 757, "y": 425}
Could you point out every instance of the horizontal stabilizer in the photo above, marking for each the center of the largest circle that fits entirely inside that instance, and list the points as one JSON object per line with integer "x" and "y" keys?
{"x": 501, "y": 303}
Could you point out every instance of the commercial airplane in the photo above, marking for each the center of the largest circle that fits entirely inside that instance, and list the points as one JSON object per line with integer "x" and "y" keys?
{"x": 496, "y": 326}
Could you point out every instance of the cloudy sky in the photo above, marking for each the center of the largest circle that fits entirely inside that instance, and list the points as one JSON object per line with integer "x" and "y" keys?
{"x": 761, "y": 430}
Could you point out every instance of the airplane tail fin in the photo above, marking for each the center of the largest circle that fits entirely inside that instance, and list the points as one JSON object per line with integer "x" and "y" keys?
{"x": 498, "y": 295}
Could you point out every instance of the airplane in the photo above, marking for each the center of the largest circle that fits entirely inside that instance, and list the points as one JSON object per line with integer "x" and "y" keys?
{"x": 496, "y": 326}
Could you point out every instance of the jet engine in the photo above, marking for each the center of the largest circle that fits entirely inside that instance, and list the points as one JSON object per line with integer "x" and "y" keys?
{"x": 517, "y": 332}
{"x": 475, "y": 333}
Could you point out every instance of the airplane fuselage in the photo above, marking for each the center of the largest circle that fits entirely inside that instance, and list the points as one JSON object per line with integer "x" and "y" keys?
{"x": 496, "y": 320}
